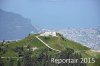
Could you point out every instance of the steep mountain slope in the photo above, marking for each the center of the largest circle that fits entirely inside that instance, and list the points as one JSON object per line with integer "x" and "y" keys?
{"x": 30, "y": 42}
{"x": 14, "y": 26}
{"x": 59, "y": 43}
{"x": 62, "y": 43}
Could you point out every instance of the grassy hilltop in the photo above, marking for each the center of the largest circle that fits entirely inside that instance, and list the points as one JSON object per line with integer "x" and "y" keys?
{"x": 30, "y": 50}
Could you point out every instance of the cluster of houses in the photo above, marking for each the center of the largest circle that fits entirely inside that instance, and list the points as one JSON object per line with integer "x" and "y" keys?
{"x": 48, "y": 34}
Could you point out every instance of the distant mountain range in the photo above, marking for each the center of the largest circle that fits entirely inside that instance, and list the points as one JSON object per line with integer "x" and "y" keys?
{"x": 89, "y": 37}
{"x": 14, "y": 26}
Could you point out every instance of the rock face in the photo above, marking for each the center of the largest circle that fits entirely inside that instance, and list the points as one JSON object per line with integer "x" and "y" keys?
{"x": 14, "y": 26}
{"x": 89, "y": 37}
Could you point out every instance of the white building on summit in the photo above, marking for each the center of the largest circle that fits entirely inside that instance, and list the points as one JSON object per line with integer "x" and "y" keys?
{"x": 48, "y": 34}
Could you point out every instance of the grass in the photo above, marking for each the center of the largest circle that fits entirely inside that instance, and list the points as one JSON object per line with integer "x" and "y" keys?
{"x": 59, "y": 43}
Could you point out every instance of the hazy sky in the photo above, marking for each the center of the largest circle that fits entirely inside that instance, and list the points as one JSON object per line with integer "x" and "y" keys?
{"x": 57, "y": 13}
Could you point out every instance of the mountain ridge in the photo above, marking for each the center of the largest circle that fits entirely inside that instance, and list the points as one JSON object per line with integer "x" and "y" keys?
{"x": 14, "y": 26}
